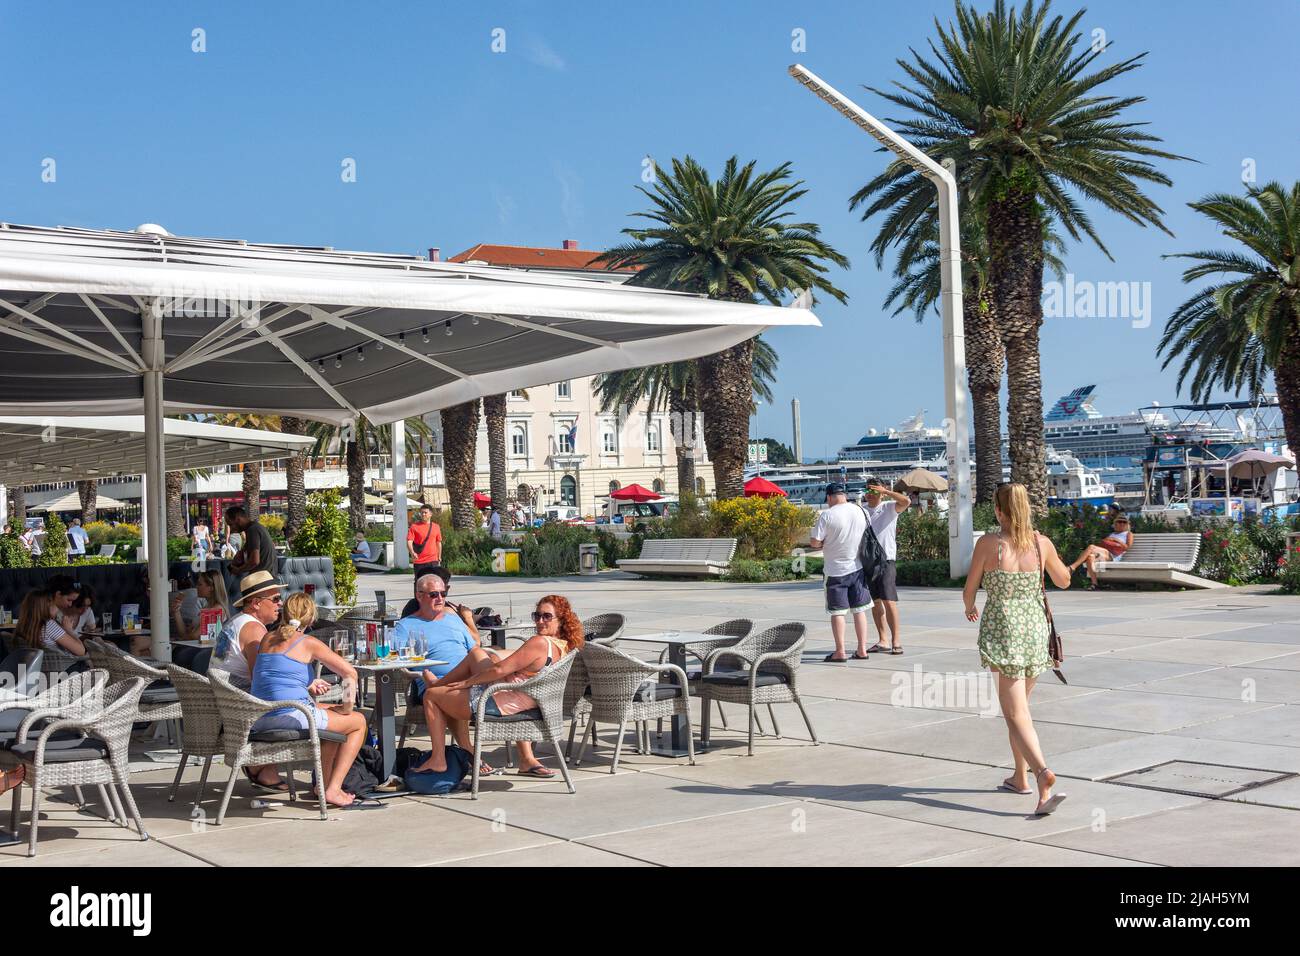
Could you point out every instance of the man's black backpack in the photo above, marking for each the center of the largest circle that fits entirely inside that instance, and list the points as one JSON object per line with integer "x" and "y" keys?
{"x": 871, "y": 554}
{"x": 363, "y": 776}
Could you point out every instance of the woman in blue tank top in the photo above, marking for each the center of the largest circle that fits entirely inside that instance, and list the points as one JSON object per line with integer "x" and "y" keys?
{"x": 282, "y": 670}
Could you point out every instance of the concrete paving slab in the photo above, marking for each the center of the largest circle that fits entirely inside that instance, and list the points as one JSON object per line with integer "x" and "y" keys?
{"x": 1287, "y": 662}
{"x": 1272, "y": 633}
{"x": 1019, "y": 853}
{"x": 852, "y": 722}
{"x": 90, "y": 853}
{"x": 1234, "y": 683}
{"x": 1205, "y": 652}
{"x": 1141, "y": 712}
{"x": 984, "y": 740}
{"x": 557, "y": 853}
{"x": 795, "y": 834}
{"x": 1208, "y": 833}
{"x": 1146, "y": 750}
{"x": 1280, "y": 725}
{"x": 1111, "y": 671}
{"x": 1284, "y": 793}
{"x": 1167, "y": 627}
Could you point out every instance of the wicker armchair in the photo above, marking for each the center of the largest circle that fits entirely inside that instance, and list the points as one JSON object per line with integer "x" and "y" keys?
{"x": 82, "y": 750}
{"x": 202, "y": 725}
{"x": 768, "y": 675}
{"x": 159, "y": 701}
{"x": 603, "y": 629}
{"x": 731, "y": 634}
{"x": 622, "y": 691}
{"x": 246, "y": 747}
{"x": 359, "y": 612}
{"x": 543, "y": 723}
{"x": 59, "y": 661}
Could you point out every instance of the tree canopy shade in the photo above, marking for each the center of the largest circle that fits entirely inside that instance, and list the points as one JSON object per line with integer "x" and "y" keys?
{"x": 1233, "y": 333}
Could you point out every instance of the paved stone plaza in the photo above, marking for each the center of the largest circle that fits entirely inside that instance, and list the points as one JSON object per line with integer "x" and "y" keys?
{"x": 1202, "y": 686}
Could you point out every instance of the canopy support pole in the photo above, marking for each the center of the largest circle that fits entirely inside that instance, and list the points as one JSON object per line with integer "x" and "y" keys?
{"x": 401, "y": 557}
{"x": 155, "y": 485}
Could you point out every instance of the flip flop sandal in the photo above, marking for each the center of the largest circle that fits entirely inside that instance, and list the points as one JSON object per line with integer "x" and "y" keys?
{"x": 876, "y": 648}
{"x": 543, "y": 773}
{"x": 896, "y": 651}
{"x": 1010, "y": 789}
{"x": 265, "y": 787}
{"x": 1050, "y": 806}
{"x": 832, "y": 659}
{"x": 485, "y": 771}
{"x": 361, "y": 803}
{"x": 861, "y": 657}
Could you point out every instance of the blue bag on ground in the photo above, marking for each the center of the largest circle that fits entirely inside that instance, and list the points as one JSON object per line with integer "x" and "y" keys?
{"x": 440, "y": 782}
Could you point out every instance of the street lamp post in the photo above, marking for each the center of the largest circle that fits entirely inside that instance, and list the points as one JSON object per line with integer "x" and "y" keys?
{"x": 957, "y": 424}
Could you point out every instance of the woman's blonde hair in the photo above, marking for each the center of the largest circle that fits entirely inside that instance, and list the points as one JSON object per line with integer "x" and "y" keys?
{"x": 33, "y": 614}
{"x": 217, "y": 581}
{"x": 298, "y": 614}
{"x": 1012, "y": 502}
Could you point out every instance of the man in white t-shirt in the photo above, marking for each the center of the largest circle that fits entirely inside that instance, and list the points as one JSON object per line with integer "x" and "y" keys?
{"x": 838, "y": 533}
{"x": 77, "y": 538}
{"x": 883, "y": 507}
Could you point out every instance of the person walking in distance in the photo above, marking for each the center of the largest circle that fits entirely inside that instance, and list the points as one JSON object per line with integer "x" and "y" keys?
{"x": 1014, "y": 630}
{"x": 883, "y": 508}
{"x": 424, "y": 542}
{"x": 838, "y": 533}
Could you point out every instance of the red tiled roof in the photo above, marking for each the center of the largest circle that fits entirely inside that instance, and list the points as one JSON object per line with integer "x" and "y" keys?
{"x": 532, "y": 257}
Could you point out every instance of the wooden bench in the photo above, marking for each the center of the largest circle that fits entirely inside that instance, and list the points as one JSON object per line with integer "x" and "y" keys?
{"x": 1159, "y": 559}
{"x": 682, "y": 556}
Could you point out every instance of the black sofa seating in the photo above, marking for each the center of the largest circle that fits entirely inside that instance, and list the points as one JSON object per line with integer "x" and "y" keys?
{"x": 118, "y": 584}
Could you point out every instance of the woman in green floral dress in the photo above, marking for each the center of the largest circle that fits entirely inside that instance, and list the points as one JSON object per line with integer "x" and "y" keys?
{"x": 1014, "y": 630}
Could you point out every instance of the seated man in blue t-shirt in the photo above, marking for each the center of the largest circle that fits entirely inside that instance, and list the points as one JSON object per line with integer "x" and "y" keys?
{"x": 448, "y": 635}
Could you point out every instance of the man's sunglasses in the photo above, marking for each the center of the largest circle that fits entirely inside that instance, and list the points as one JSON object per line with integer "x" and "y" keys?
{"x": 434, "y": 594}
{"x": 543, "y": 616}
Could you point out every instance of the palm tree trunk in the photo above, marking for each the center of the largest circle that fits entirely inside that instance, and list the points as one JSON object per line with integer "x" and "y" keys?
{"x": 1016, "y": 262}
{"x": 88, "y": 491}
{"x": 19, "y": 498}
{"x": 253, "y": 488}
{"x": 175, "y": 491}
{"x": 295, "y": 480}
{"x": 459, "y": 450}
{"x": 494, "y": 410}
{"x": 1286, "y": 379}
{"x": 356, "y": 460}
{"x": 984, "y": 358}
{"x": 727, "y": 379}
{"x": 682, "y": 425}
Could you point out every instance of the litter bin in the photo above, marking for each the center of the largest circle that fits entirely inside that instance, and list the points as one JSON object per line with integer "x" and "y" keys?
{"x": 505, "y": 560}
{"x": 588, "y": 558}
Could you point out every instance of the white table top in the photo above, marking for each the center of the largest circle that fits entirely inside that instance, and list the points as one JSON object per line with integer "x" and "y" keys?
{"x": 673, "y": 637}
{"x": 194, "y": 643}
{"x": 397, "y": 664}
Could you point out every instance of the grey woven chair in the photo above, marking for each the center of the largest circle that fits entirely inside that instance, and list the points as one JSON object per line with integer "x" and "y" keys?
{"x": 201, "y": 731}
{"x": 246, "y": 747}
{"x": 544, "y": 723}
{"x": 80, "y": 751}
{"x": 731, "y": 633}
{"x": 159, "y": 702}
{"x": 623, "y": 689}
{"x": 59, "y": 661}
{"x": 768, "y": 673}
{"x": 603, "y": 629}
{"x": 359, "y": 612}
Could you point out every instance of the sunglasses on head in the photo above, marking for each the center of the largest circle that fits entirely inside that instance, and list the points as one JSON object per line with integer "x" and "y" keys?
{"x": 543, "y": 616}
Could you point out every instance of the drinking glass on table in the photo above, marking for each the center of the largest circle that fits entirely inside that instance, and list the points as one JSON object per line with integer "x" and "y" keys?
{"x": 106, "y": 621}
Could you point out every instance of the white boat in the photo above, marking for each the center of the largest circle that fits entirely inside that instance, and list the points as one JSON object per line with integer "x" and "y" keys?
{"x": 1070, "y": 482}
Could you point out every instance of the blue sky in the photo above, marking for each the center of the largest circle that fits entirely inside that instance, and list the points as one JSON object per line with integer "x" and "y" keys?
{"x": 456, "y": 144}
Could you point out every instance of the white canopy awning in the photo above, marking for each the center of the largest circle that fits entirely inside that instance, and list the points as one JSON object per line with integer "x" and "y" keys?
{"x": 318, "y": 333}
{"x": 72, "y": 502}
{"x": 58, "y": 448}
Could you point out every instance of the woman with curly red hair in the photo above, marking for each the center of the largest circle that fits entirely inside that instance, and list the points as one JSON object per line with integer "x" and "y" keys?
{"x": 451, "y": 699}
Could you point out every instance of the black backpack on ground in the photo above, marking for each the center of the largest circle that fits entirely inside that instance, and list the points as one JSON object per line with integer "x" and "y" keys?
{"x": 365, "y": 773}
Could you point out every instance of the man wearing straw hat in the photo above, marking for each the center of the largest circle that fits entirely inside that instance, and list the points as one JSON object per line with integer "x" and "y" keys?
{"x": 883, "y": 515}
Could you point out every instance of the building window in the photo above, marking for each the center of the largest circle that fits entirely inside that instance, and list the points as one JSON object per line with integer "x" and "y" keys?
{"x": 518, "y": 441}
{"x": 568, "y": 491}
{"x": 609, "y": 443}
{"x": 652, "y": 438}
{"x": 613, "y": 487}
{"x": 563, "y": 390}
{"x": 699, "y": 486}
{"x": 657, "y": 486}
{"x": 566, "y": 439}
{"x": 518, "y": 393}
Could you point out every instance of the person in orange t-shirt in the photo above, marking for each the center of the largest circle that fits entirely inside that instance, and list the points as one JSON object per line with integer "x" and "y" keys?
{"x": 424, "y": 542}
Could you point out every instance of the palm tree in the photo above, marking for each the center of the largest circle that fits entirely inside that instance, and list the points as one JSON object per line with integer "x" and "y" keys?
{"x": 294, "y": 479}
{"x": 252, "y": 484}
{"x": 459, "y": 453}
{"x": 359, "y": 441}
{"x": 675, "y": 386}
{"x": 918, "y": 288}
{"x": 1233, "y": 333}
{"x": 88, "y": 491}
{"x": 1010, "y": 101}
{"x": 494, "y": 412}
{"x": 175, "y": 485}
{"x": 727, "y": 238}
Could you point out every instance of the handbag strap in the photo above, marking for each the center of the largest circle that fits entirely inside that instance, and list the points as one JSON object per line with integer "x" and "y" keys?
{"x": 1042, "y": 580}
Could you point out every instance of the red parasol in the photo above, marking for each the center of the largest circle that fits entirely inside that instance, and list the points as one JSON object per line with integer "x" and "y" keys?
{"x": 635, "y": 493}
{"x": 481, "y": 500}
{"x": 760, "y": 487}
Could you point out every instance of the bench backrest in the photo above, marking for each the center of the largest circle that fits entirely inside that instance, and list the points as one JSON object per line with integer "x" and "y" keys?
{"x": 1177, "y": 548}
{"x": 719, "y": 550}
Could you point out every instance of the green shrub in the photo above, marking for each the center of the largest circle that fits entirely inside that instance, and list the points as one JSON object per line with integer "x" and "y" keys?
{"x": 12, "y": 552}
{"x": 1227, "y": 555}
{"x": 923, "y": 535}
{"x": 54, "y": 553}
{"x": 96, "y": 559}
{"x": 467, "y": 552}
{"x": 178, "y": 548}
{"x": 552, "y": 549}
{"x": 1269, "y": 542}
{"x": 326, "y": 533}
{"x": 612, "y": 549}
{"x": 379, "y": 531}
{"x": 764, "y": 528}
{"x": 983, "y": 518}
{"x": 931, "y": 573}
{"x": 1288, "y": 570}
{"x": 274, "y": 524}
